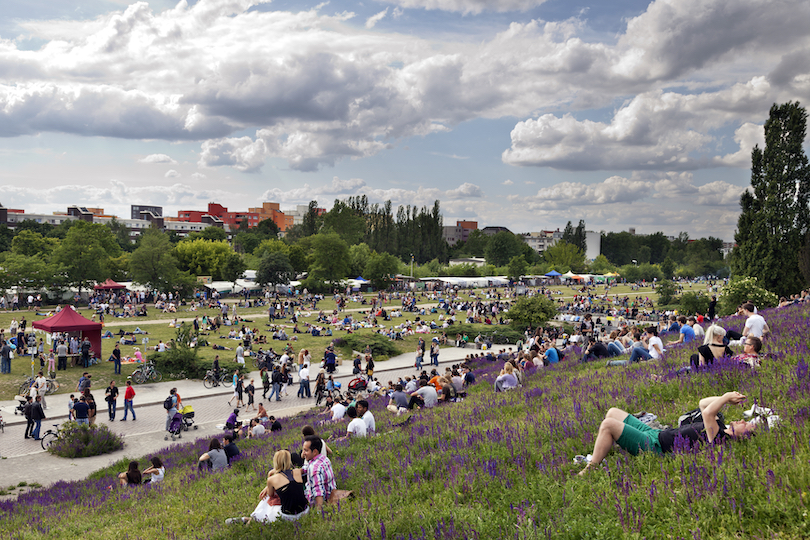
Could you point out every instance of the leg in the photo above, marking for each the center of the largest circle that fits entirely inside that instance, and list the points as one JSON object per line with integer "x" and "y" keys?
{"x": 308, "y": 390}
{"x": 609, "y": 432}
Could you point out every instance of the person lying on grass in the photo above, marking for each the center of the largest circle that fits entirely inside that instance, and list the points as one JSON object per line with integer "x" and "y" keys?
{"x": 634, "y": 436}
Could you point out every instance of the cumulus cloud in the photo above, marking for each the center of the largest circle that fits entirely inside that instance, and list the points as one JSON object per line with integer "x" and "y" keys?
{"x": 469, "y": 6}
{"x": 157, "y": 158}
{"x": 171, "y": 173}
{"x": 372, "y": 21}
{"x": 507, "y": 183}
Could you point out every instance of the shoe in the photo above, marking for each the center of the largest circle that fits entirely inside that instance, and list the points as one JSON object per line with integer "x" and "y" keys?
{"x": 234, "y": 521}
{"x": 26, "y": 437}
{"x": 123, "y": 420}
{"x": 37, "y": 439}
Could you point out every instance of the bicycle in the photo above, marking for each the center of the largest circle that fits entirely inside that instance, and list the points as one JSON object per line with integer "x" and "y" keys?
{"x": 25, "y": 387}
{"x": 210, "y": 381}
{"x": 145, "y": 373}
{"x": 49, "y": 437}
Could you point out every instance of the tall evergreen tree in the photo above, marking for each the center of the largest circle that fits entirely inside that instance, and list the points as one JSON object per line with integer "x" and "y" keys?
{"x": 775, "y": 214}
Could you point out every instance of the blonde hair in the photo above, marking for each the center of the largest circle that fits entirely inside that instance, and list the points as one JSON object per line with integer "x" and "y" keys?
{"x": 508, "y": 367}
{"x": 282, "y": 461}
{"x": 712, "y": 332}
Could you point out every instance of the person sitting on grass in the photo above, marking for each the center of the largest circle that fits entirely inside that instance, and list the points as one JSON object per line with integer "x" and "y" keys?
{"x": 634, "y": 436}
{"x": 215, "y": 458}
{"x": 256, "y": 429}
{"x": 750, "y": 355}
{"x": 157, "y": 470}
{"x": 506, "y": 380}
{"x": 283, "y": 497}
{"x": 132, "y": 477}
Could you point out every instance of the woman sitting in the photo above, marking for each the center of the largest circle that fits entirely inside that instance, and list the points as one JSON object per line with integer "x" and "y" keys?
{"x": 215, "y": 457}
{"x": 157, "y": 470}
{"x": 713, "y": 347}
{"x": 283, "y": 497}
{"x": 634, "y": 436}
{"x": 132, "y": 477}
{"x": 506, "y": 380}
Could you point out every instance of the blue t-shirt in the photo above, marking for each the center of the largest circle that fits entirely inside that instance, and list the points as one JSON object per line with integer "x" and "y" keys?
{"x": 674, "y": 327}
{"x": 551, "y": 354}
{"x": 688, "y": 333}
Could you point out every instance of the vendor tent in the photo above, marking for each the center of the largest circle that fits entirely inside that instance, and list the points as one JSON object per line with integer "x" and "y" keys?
{"x": 553, "y": 273}
{"x": 69, "y": 320}
{"x": 109, "y": 285}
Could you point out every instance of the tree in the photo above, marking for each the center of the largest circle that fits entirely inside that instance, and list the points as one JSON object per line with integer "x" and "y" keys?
{"x": 30, "y": 244}
{"x": 85, "y": 253}
{"x": 330, "y": 257}
{"x": 6, "y": 236}
{"x": 350, "y": 225}
{"x": 601, "y": 265}
{"x": 502, "y": 247}
{"x": 668, "y": 268}
{"x": 215, "y": 234}
{"x": 775, "y": 215}
{"x": 29, "y": 272}
{"x": 534, "y": 311}
{"x": 564, "y": 256}
{"x": 274, "y": 269}
{"x": 153, "y": 262}
{"x": 203, "y": 257}
{"x": 271, "y": 245}
{"x": 233, "y": 267}
{"x": 359, "y": 255}
{"x": 517, "y": 267}
{"x": 666, "y": 292}
{"x": 381, "y": 270}
{"x": 476, "y": 243}
{"x": 121, "y": 234}
{"x": 744, "y": 289}
{"x": 312, "y": 221}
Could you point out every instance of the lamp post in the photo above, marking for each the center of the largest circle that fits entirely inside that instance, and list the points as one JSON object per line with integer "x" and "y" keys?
{"x": 411, "y": 265}
{"x": 634, "y": 262}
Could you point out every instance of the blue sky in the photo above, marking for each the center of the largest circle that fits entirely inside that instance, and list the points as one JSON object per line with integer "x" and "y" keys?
{"x": 520, "y": 113}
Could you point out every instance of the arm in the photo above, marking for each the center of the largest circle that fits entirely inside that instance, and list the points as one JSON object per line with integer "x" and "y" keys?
{"x": 710, "y": 406}
{"x": 204, "y": 457}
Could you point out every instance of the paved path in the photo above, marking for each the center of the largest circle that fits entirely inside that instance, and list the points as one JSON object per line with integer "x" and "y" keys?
{"x": 24, "y": 460}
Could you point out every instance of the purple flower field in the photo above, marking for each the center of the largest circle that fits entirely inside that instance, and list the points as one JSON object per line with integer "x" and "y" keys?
{"x": 498, "y": 465}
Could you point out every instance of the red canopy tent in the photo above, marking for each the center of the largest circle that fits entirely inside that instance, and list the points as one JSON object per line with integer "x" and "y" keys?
{"x": 68, "y": 320}
{"x": 109, "y": 285}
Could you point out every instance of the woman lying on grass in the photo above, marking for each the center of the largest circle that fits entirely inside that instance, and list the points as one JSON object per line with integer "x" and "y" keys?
{"x": 634, "y": 436}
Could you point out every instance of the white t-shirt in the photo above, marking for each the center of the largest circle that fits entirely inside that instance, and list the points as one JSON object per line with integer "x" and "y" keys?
{"x": 161, "y": 347}
{"x": 240, "y": 354}
{"x": 158, "y": 476}
{"x": 655, "y": 340}
{"x": 338, "y": 411}
{"x": 371, "y": 424}
{"x": 756, "y": 325}
{"x": 357, "y": 428}
{"x": 699, "y": 332}
{"x": 258, "y": 429}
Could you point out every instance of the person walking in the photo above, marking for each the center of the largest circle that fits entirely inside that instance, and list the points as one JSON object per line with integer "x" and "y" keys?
{"x": 37, "y": 415}
{"x": 5, "y": 358}
{"x": 276, "y": 380}
{"x": 111, "y": 396}
{"x": 129, "y": 395}
{"x": 265, "y": 382}
{"x": 116, "y": 354}
{"x": 170, "y": 404}
{"x": 251, "y": 392}
{"x": 434, "y": 352}
{"x": 304, "y": 388}
{"x": 42, "y": 388}
{"x": 236, "y": 395}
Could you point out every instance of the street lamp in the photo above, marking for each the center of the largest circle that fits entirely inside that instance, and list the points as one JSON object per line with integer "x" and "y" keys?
{"x": 634, "y": 262}
{"x": 411, "y": 265}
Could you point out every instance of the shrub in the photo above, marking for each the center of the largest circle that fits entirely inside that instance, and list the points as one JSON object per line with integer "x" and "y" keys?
{"x": 534, "y": 311}
{"x": 694, "y": 302}
{"x": 499, "y": 335}
{"x": 666, "y": 292}
{"x": 380, "y": 345}
{"x": 77, "y": 441}
{"x": 180, "y": 356}
{"x": 741, "y": 290}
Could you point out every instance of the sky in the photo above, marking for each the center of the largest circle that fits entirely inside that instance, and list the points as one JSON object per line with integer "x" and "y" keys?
{"x": 517, "y": 113}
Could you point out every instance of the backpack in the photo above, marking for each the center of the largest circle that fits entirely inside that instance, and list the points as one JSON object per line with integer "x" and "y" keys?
{"x": 560, "y": 354}
{"x": 168, "y": 403}
{"x": 695, "y": 416}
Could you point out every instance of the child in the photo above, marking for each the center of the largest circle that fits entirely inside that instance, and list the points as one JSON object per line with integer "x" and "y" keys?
{"x": 71, "y": 401}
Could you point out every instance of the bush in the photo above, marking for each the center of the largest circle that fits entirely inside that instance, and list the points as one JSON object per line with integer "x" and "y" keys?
{"x": 380, "y": 345}
{"x": 694, "y": 302}
{"x": 181, "y": 357}
{"x": 534, "y": 312}
{"x": 497, "y": 334}
{"x": 78, "y": 441}
{"x": 741, "y": 290}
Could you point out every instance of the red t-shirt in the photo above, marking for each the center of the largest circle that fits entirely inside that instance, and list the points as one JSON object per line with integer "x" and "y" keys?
{"x": 129, "y": 393}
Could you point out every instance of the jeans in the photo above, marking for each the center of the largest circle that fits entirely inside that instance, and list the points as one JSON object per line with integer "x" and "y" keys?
{"x": 637, "y": 355}
{"x": 304, "y": 389}
{"x": 85, "y": 421}
{"x": 614, "y": 349}
{"x": 5, "y": 365}
{"x": 117, "y": 366}
{"x": 170, "y": 417}
{"x": 35, "y": 431}
{"x": 111, "y": 406}
{"x": 61, "y": 364}
{"x": 419, "y": 362}
{"x": 128, "y": 407}
{"x": 434, "y": 359}
{"x": 86, "y": 360}
{"x": 276, "y": 390}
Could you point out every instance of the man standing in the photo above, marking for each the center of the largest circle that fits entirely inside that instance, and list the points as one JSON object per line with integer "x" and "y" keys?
{"x": 129, "y": 395}
{"x": 330, "y": 360}
{"x": 61, "y": 354}
{"x": 29, "y": 427}
{"x": 170, "y": 404}
{"x": 276, "y": 380}
{"x": 303, "y": 373}
{"x": 434, "y": 352}
{"x": 86, "y": 353}
{"x": 111, "y": 395}
{"x": 5, "y": 358}
{"x": 240, "y": 355}
{"x": 37, "y": 415}
{"x": 82, "y": 411}
{"x": 116, "y": 354}
{"x": 42, "y": 388}
{"x": 320, "y": 477}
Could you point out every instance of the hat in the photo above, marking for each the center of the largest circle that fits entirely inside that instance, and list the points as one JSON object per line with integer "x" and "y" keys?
{"x": 236, "y": 411}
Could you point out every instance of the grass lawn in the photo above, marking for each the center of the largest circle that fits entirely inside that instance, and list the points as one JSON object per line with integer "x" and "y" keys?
{"x": 497, "y": 465}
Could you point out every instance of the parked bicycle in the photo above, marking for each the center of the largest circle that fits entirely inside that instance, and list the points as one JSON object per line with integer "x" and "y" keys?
{"x": 49, "y": 437}
{"x": 145, "y": 373}
{"x": 210, "y": 381}
{"x": 25, "y": 387}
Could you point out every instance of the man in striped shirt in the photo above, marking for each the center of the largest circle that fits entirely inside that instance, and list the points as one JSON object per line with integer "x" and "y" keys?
{"x": 320, "y": 477}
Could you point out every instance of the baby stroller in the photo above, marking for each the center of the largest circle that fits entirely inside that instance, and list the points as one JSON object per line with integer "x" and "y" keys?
{"x": 20, "y": 409}
{"x": 175, "y": 428}
{"x": 188, "y": 417}
{"x": 357, "y": 385}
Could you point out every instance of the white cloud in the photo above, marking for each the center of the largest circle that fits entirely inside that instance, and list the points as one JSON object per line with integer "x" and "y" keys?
{"x": 507, "y": 183}
{"x": 171, "y": 173}
{"x": 157, "y": 158}
{"x": 469, "y": 6}
{"x": 372, "y": 21}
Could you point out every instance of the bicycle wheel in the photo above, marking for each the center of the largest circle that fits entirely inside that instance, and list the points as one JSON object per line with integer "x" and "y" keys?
{"x": 156, "y": 376}
{"x": 208, "y": 381}
{"x": 47, "y": 440}
{"x": 138, "y": 377}
{"x": 53, "y": 387}
{"x": 24, "y": 389}
{"x": 226, "y": 380}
